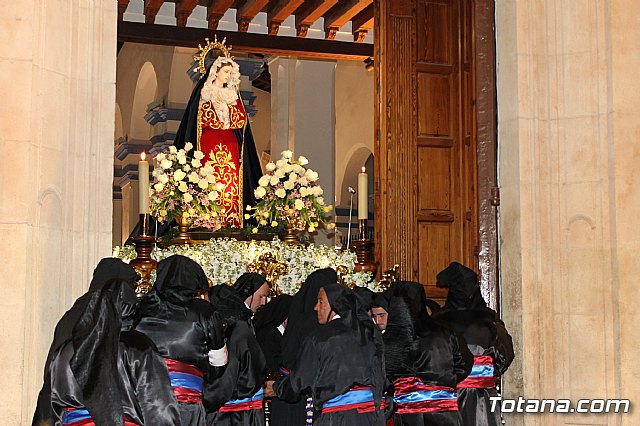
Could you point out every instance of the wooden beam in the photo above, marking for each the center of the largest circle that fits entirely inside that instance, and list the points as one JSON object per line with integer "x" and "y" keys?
{"x": 247, "y": 12}
{"x": 363, "y": 20}
{"x": 122, "y": 7}
{"x": 280, "y": 11}
{"x": 340, "y": 14}
{"x": 183, "y": 11}
{"x": 215, "y": 12}
{"x": 243, "y": 42}
{"x": 309, "y": 12}
{"x": 151, "y": 8}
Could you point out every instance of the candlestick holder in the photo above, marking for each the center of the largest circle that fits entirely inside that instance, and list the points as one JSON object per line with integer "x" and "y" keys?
{"x": 143, "y": 263}
{"x": 363, "y": 248}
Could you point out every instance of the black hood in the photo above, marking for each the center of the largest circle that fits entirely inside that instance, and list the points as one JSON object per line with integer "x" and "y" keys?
{"x": 273, "y": 313}
{"x": 227, "y": 302}
{"x": 111, "y": 268}
{"x": 464, "y": 291}
{"x": 247, "y": 284}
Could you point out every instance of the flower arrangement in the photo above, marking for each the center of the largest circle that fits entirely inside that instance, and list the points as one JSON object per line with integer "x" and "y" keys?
{"x": 289, "y": 193}
{"x": 225, "y": 259}
{"x": 185, "y": 188}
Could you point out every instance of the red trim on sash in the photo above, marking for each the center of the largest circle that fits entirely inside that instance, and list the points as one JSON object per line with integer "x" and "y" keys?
{"x": 361, "y": 407}
{"x": 182, "y": 367}
{"x": 405, "y": 385}
{"x": 89, "y": 422}
{"x": 479, "y": 382}
{"x": 189, "y": 396}
{"x": 243, "y": 406}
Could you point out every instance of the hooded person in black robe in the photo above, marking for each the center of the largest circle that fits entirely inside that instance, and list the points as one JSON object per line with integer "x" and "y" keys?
{"x": 341, "y": 364}
{"x": 425, "y": 360}
{"x": 271, "y": 323}
{"x": 467, "y": 313}
{"x": 236, "y": 399}
{"x": 109, "y": 374}
{"x": 297, "y": 409}
{"x": 107, "y": 269}
{"x": 187, "y": 331}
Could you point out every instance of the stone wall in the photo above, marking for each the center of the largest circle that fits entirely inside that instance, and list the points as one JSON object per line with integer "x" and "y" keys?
{"x": 568, "y": 111}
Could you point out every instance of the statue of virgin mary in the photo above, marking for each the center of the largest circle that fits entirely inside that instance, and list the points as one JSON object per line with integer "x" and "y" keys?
{"x": 216, "y": 122}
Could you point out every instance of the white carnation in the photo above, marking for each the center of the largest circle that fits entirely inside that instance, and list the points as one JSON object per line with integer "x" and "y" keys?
{"x": 281, "y": 163}
{"x": 182, "y": 158}
{"x": 280, "y": 193}
{"x": 187, "y": 198}
{"x": 288, "y": 168}
{"x": 213, "y": 195}
{"x": 279, "y": 173}
{"x": 297, "y": 168}
{"x": 274, "y": 180}
{"x": 193, "y": 177}
{"x": 183, "y": 186}
{"x": 166, "y": 164}
{"x": 263, "y": 181}
{"x": 203, "y": 183}
{"x": 173, "y": 149}
{"x": 198, "y": 155}
{"x": 303, "y": 160}
{"x": 158, "y": 187}
{"x": 303, "y": 181}
{"x": 298, "y": 204}
{"x": 320, "y": 200}
{"x": 289, "y": 184}
{"x": 178, "y": 175}
{"x": 188, "y": 146}
{"x": 196, "y": 163}
{"x": 304, "y": 191}
{"x": 270, "y": 166}
{"x": 287, "y": 154}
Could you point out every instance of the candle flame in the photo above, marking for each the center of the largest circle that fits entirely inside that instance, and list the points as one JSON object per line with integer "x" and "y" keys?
{"x": 364, "y": 170}
{"x": 143, "y": 155}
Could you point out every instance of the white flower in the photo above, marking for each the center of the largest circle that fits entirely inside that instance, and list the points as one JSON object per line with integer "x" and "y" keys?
{"x": 270, "y": 166}
{"x": 193, "y": 177}
{"x": 289, "y": 184}
{"x": 183, "y": 186}
{"x": 198, "y": 155}
{"x": 281, "y": 163}
{"x": 207, "y": 169}
{"x": 158, "y": 187}
{"x": 279, "y": 173}
{"x": 163, "y": 179}
{"x": 220, "y": 186}
{"x": 161, "y": 157}
{"x": 280, "y": 193}
{"x": 297, "y": 168}
{"x": 188, "y": 146}
{"x": 263, "y": 181}
{"x": 303, "y": 160}
{"x": 211, "y": 179}
{"x": 288, "y": 168}
{"x": 298, "y": 204}
{"x": 293, "y": 177}
{"x": 178, "y": 175}
{"x": 311, "y": 175}
{"x": 186, "y": 168}
{"x": 173, "y": 149}
{"x": 274, "y": 180}
{"x": 166, "y": 164}
{"x": 287, "y": 154}
{"x": 317, "y": 190}
{"x": 304, "y": 191}
{"x": 320, "y": 200}
{"x": 182, "y": 158}
{"x": 203, "y": 183}
{"x": 213, "y": 195}
{"x": 303, "y": 181}
{"x": 260, "y": 192}
{"x": 196, "y": 163}
{"x": 187, "y": 198}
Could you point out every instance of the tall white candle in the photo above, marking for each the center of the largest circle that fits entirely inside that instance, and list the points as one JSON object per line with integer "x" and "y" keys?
{"x": 143, "y": 181}
{"x": 363, "y": 195}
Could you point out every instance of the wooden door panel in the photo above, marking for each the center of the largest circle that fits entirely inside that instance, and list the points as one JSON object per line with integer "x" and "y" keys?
{"x": 434, "y": 179}
{"x": 434, "y": 31}
{"x": 435, "y": 105}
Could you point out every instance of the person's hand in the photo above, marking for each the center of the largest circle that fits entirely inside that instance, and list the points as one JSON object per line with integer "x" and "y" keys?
{"x": 268, "y": 389}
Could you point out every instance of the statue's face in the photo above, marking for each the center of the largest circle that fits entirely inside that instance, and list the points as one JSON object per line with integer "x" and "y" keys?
{"x": 222, "y": 77}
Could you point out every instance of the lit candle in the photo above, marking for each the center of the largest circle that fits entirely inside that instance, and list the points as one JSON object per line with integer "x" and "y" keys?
{"x": 143, "y": 180}
{"x": 363, "y": 193}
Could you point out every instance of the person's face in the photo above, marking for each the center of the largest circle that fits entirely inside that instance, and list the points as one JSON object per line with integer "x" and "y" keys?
{"x": 322, "y": 308}
{"x": 259, "y": 298}
{"x": 223, "y": 74}
{"x": 380, "y": 317}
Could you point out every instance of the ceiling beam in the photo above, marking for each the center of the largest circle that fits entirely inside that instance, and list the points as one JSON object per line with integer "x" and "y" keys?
{"x": 243, "y": 42}
{"x": 122, "y": 7}
{"x": 340, "y": 14}
{"x": 183, "y": 11}
{"x": 309, "y": 12}
{"x": 151, "y": 8}
{"x": 362, "y": 23}
{"x": 280, "y": 11}
{"x": 215, "y": 12}
{"x": 247, "y": 12}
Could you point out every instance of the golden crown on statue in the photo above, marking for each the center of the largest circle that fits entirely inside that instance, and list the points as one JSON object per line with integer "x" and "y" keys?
{"x": 204, "y": 51}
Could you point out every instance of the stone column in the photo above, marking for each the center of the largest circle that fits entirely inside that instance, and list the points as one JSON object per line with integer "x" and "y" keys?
{"x": 57, "y": 71}
{"x": 303, "y": 117}
{"x": 569, "y": 122}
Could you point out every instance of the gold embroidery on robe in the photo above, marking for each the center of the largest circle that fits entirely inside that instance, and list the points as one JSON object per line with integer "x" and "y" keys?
{"x": 209, "y": 118}
{"x": 225, "y": 171}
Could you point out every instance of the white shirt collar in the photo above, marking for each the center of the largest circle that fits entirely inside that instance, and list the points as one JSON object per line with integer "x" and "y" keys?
{"x": 281, "y": 329}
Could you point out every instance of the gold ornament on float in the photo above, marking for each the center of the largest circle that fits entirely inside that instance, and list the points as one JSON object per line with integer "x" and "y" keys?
{"x": 204, "y": 51}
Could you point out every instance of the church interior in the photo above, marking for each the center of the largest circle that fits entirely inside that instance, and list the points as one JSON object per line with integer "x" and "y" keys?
{"x": 500, "y": 134}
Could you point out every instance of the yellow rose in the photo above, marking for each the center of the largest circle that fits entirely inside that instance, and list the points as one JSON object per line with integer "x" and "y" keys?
{"x": 247, "y": 216}
{"x": 254, "y": 230}
{"x": 274, "y": 224}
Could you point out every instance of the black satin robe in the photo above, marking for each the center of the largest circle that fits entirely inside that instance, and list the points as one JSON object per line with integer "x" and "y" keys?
{"x": 187, "y": 334}
{"x": 147, "y": 397}
{"x": 485, "y": 334}
{"x": 440, "y": 358}
{"x": 330, "y": 363}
